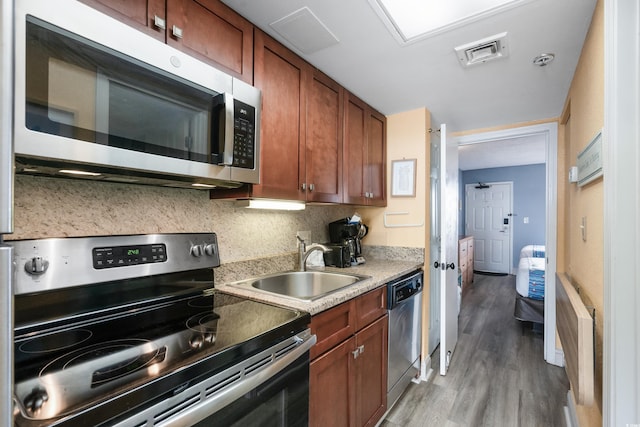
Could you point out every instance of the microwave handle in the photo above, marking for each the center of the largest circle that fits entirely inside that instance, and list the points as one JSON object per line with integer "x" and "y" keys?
{"x": 225, "y": 117}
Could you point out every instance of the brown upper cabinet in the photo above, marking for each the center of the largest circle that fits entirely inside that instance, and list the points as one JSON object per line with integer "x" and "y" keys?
{"x": 318, "y": 142}
{"x": 322, "y": 163}
{"x": 205, "y": 29}
{"x": 364, "y": 154}
{"x": 300, "y": 128}
{"x": 283, "y": 78}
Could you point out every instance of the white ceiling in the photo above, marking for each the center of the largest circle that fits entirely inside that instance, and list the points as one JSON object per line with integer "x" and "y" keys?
{"x": 517, "y": 151}
{"x": 369, "y": 62}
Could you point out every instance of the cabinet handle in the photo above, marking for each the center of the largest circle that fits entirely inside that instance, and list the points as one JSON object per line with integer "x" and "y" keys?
{"x": 361, "y": 349}
{"x": 159, "y": 22}
{"x": 355, "y": 353}
{"x": 311, "y": 187}
{"x": 304, "y": 186}
{"x": 177, "y": 32}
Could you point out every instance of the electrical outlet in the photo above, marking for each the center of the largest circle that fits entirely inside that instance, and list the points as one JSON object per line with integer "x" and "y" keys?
{"x": 304, "y": 235}
{"x": 526, "y": 220}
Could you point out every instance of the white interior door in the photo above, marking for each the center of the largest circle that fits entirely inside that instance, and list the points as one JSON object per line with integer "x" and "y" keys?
{"x": 448, "y": 265}
{"x": 434, "y": 248}
{"x": 488, "y": 219}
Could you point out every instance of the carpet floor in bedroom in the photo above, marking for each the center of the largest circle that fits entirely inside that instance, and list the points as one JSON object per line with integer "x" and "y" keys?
{"x": 497, "y": 377}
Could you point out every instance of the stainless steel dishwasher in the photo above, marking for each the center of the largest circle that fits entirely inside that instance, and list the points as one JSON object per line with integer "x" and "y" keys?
{"x": 404, "y": 301}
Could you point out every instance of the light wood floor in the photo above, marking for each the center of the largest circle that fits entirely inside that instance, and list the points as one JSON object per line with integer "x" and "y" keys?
{"x": 497, "y": 377}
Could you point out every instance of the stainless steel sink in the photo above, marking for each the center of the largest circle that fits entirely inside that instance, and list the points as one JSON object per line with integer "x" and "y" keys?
{"x": 301, "y": 285}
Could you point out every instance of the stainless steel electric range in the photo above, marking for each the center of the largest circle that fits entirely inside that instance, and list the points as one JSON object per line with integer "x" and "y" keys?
{"x": 129, "y": 331}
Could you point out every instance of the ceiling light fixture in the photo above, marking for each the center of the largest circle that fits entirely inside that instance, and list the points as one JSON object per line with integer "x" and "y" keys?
{"x": 413, "y": 20}
{"x": 544, "y": 59}
{"x": 283, "y": 205}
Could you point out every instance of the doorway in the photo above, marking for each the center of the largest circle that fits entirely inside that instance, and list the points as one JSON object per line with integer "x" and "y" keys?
{"x": 488, "y": 216}
{"x": 549, "y": 131}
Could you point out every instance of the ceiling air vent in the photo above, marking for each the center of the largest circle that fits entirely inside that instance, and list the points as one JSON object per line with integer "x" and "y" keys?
{"x": 481, "y": 51}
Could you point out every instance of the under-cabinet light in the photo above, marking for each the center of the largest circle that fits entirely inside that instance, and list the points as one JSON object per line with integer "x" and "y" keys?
{"x": 199, "y": 185}
{"x": 79, "y": 172}
{"x": 286, "y": 205}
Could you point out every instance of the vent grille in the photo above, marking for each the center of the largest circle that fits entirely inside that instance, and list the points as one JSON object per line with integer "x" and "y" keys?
{"x": 481, "y": 51}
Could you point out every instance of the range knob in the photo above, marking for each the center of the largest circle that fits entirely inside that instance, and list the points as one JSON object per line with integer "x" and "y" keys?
{"x": 197, "y": 251}
{"x": 36, "y": 266}
{"x": 210, "y": 249}
{"x": 35, "y": 400}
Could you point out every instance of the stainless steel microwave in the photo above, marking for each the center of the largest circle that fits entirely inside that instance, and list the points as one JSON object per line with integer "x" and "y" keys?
{"x": 95, "y": 98}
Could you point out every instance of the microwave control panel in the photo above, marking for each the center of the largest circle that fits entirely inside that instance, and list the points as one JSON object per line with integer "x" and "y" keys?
{"x": 243, "y": 135}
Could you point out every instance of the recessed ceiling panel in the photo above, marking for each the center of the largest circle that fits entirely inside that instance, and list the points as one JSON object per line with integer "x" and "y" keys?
{"x": 305, "y": 31}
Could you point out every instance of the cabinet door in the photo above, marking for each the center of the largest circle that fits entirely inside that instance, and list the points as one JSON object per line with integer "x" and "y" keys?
{"x": 355, "y": 136}
{"x": 376, "y": 159}
{"x": 140, "y": 14}
{"x": 331, "y": 387}
{"x": 212, "y": 32}
{"x": 371, "y": 372}
{"x": 322, "y": 162}
{"x": 364, "y": 154}
{"x": 282, "y": 77}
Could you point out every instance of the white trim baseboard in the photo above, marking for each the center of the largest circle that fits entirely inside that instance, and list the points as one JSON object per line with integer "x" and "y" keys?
{"x": 570, "y": 415}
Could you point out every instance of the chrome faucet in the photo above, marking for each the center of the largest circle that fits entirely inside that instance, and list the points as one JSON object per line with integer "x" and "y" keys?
{"x": 303, "y": 252}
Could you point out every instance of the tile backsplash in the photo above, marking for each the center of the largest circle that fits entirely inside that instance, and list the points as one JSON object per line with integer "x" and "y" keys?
{"x": 54, "y": 207}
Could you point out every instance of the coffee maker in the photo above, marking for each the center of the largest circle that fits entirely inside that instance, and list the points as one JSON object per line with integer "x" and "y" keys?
{"x": 349, "y": 234}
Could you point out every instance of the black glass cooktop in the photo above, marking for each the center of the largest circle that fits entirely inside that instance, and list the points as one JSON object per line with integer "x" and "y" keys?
{"x": 95, "y": 356}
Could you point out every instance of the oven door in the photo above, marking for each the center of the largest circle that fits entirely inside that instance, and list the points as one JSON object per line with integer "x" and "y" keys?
{"x": 270, "y": 388}
{"x": 283, "y": 400}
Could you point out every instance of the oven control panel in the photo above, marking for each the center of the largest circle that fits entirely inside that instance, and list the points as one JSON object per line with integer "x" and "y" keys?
{"x": 48, "y": 264}
{"x": 121, "y": 256}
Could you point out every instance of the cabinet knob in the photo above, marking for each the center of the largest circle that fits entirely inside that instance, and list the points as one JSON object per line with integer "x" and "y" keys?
{"x": 355, "y": 353}
{"x": 159, "y": 23}
{"x": 177, "y": 32}
{"x": 361, "y": 349}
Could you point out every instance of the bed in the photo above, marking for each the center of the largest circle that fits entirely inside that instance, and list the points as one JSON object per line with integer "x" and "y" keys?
{"x": 530, "y": 279}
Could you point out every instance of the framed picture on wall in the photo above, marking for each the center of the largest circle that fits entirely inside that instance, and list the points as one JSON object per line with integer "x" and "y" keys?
{"x": 403, "y": 178}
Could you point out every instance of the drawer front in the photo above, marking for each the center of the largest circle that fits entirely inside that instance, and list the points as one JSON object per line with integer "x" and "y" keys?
{"x": 333, "y": 326}
{"x": 370, "y": 307}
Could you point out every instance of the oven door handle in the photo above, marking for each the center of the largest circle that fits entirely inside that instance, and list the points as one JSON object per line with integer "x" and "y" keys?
{"x": 214, "y": 404}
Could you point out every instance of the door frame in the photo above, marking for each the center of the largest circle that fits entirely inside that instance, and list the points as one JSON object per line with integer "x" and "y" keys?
{"x": 511, "y": 223}
{"x": 549, "y": 131}
{"x": 621, "y": 142}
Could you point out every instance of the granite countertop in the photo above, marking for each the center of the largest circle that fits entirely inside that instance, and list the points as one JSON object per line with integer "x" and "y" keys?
{"x": 381, "y": 272}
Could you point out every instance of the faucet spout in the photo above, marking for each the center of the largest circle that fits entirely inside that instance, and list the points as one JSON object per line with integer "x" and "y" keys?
{"x": 304, "y": 253}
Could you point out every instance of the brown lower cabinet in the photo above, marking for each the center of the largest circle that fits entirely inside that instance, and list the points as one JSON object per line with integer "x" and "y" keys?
{"x": 348, "y": 371}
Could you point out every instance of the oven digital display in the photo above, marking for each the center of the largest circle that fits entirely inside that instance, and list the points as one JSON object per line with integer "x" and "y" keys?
{"x": 122, "y": 256}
